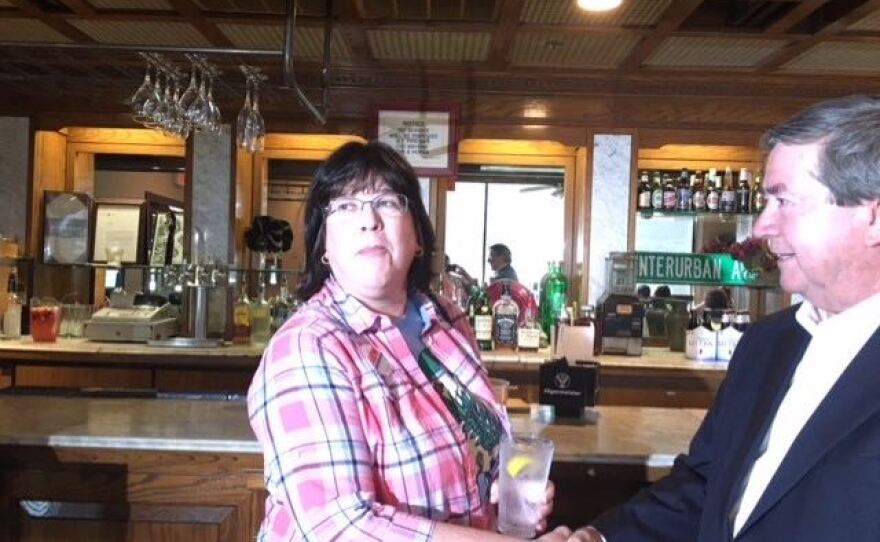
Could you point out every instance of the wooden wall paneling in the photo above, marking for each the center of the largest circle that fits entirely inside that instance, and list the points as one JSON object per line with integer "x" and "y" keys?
{"x": 203, "y": 380}
{"x": 50, "y": 151}
{"x": 81, "y": 377}
{"x": 82, "y": 494}
{"x": 136, "y": 137}
{"x": 587, "y": 222}
{"x": 439, "y": 188}
{"x": 244, "y": 208}
{"x": 700, "y": 157}
{"x": 583, "y": 184}
{"x": 6, "y": 372}
{"x": 81, "y": 177}
{"x": 633, "y": 193}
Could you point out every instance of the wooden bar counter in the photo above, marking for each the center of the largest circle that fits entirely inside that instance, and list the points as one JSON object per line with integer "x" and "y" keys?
{"x": 85, "y": 468}
{"x": 657, "y": 378}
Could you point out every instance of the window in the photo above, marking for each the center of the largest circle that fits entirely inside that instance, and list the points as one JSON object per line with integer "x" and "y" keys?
{"x": 521, "y": 207}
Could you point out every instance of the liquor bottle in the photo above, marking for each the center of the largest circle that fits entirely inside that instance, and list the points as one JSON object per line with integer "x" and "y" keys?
{"x": 759, "y": 199}
{"x": 683, "y": 192}
{"x": 728, "y": 192}
{"x": 698, "y": 193}
{"x": 644, "y": 193}
{"x": 261, "y": 318}
{"x": 553, "y": 299}
{"x": 528, "y": 336}
{"x": 481, "y": 310}
{"x": 12, "y": 315}
{"x": 670, "y": 197}
{"x": 713, "y": 195}
{"x": 563, "y": 318}
{"x": 657, "y": 192}
{"x": 241, "y": 317}
{"x": 741, "y": 321}
{"x": 542, "y": 296}
{"x": 280, "y": 306}
{"x": 505, "y": 320}
{"x": 743, "y": 192}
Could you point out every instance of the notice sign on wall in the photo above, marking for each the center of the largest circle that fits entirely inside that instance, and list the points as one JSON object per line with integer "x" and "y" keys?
{"x": 425, "y": 136}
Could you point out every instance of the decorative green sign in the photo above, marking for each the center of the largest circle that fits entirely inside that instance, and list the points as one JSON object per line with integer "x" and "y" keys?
{"x": 708, "y": 269}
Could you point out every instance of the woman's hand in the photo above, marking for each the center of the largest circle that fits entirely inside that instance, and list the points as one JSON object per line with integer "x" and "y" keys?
{"x": 546, "y": 508}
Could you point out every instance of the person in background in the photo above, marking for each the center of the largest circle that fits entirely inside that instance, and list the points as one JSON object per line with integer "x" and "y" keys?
{"x": 662, "y": 291}
{"x": 376, "y": 418}
{"x": 789, "y": 450}
{"x": 717, "y": 299}
{"x": 499, "y": 260}
{"x": 643, "y": 292}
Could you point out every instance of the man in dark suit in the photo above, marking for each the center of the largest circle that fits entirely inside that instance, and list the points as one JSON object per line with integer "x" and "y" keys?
{"x": 790, "y": 450}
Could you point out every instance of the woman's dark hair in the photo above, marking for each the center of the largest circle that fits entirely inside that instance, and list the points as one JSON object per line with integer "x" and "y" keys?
{"x": 351, "y": 168}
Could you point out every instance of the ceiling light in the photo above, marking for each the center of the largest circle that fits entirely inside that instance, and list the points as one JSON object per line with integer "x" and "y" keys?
{"x": 598, "y": 5}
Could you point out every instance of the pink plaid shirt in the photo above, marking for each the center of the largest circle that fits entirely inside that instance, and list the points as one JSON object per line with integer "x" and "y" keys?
{"x": 357, "y": 443}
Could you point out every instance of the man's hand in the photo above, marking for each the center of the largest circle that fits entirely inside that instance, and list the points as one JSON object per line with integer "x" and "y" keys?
{"x": 559, "y": 534}
{"x": 586, "y": 534}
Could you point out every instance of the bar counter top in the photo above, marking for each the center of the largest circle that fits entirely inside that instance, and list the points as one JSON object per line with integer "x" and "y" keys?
{"x": 650, "y": 437}
{"x": 230, "y": 355}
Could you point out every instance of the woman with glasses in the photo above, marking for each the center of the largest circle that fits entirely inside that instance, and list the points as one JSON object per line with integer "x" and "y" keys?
{"x": 376, "y": 418}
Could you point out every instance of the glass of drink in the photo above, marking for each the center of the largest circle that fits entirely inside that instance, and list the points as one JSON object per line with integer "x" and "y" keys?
{"x": 45, "y": 319}
{"x": 525, "y": 465}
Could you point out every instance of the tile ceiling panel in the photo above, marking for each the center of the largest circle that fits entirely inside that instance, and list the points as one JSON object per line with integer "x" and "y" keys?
{"x": 29, "y": 30}
{"x": 142, "y": 33}
{"x": 256, "y": 6}
{"x": 719, "y": 52}
{"x": 543, "y": 49}
{"x": 640, "y": 13}
{"x": 838, "y": 56}
{"x": 437, "y": 46}
{"x": 131, "y": 4}
{"x": 870, "y": 22}
{"x": 308, "y": 42}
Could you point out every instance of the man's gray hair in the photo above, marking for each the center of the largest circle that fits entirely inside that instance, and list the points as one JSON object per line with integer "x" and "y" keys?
{"x": 849, "y": 130}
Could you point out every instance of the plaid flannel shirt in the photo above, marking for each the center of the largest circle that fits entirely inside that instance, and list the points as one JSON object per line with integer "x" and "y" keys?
{"x": 357, "y": 443}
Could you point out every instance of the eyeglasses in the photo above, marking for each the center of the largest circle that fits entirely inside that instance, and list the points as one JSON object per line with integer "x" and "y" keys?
{"x": 389, "y": 204}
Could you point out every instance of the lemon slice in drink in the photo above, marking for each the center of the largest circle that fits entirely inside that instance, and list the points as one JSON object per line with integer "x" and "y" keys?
{"x": 516, "y": 465}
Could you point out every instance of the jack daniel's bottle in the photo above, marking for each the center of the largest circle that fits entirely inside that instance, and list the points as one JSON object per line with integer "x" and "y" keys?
{"x": 505, "y": 318}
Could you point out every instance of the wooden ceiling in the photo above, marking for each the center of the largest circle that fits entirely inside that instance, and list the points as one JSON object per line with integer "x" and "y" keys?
{"x": 500, "y": 58}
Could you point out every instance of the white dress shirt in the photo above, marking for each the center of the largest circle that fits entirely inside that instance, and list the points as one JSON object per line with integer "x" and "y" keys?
{"x": 836, "y": 339}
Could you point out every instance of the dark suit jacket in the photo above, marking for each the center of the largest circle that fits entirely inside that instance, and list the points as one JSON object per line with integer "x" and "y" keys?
{"x": 827, "y": 487}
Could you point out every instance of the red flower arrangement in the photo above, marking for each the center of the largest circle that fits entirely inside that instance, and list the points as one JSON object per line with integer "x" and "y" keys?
{"x": 753, "y": 252}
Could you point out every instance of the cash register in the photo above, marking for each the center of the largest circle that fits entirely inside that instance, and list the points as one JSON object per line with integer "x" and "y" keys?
{"x": 619, "y": 313}
{"x": 137, "y": 322}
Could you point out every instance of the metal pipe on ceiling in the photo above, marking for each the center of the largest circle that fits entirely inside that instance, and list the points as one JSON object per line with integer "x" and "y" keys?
{"x": 287, "y": 62}
{"x": 287, "y": 53}
{"x": 140, "y": 48}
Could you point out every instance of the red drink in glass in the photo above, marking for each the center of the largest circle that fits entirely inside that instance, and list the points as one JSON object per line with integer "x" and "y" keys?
{"x": 45, "y": 322}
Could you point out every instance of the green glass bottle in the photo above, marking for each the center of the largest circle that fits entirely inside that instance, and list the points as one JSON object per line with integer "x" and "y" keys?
{"x": 480, "y": 314}
{"x": 554, "y": 298}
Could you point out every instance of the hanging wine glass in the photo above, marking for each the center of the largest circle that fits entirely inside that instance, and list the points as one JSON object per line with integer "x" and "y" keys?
{"x": 142, "y": 93}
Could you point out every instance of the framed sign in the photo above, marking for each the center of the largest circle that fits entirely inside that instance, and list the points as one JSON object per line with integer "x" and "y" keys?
{"x": 117, "y": 231}
{"x": 67, "y": 227}
{"x": 164, "y": 230}
{"x": 425, "y": 134}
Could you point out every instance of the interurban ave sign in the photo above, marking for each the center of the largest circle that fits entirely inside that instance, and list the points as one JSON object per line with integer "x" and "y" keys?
{"x": 711, "y": 269}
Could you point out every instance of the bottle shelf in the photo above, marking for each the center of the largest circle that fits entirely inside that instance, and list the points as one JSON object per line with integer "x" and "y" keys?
{"x": 706, "y": 214}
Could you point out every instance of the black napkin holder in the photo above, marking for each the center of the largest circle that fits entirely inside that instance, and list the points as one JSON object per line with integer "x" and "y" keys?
{"x": 569, "y": 388}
